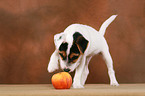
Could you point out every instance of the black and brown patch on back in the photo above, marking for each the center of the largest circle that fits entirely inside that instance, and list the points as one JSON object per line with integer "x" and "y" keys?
{"x": 80, "y": 41}
{"x": 79, "y": 46}
{"x": 62, "y": 50}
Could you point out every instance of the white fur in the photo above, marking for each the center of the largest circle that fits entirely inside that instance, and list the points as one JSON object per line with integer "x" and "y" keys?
{"x": 97, "y": 44}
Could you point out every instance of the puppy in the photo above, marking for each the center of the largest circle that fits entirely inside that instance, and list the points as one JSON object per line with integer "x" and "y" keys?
{"x": 75, "y": 48}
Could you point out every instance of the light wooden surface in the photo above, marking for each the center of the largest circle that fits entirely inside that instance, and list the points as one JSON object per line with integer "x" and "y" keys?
{"x": 89, "y": 90}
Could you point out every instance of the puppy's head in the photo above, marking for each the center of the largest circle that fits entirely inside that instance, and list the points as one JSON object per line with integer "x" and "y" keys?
{"x": 70, "y": 54}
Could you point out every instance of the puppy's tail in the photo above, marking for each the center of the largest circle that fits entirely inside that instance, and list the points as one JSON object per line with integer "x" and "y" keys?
{"x": 106, "y": 24}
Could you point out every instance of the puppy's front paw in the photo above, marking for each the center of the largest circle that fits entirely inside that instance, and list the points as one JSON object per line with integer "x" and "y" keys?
{"x": 77, "y": 85}
{"x": 114, "y": 83}
{"x": 52, "y": 68}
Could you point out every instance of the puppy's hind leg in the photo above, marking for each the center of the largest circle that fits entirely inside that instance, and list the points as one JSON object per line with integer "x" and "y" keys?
{"x": 53, "y": 63}
{"x": 109, "y": 64}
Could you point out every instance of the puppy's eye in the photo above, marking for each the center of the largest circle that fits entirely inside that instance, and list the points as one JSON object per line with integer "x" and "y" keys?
{"x": 60, "y": 37}
{"x": 63, "y": 56}
{"x": 74, "y": 57}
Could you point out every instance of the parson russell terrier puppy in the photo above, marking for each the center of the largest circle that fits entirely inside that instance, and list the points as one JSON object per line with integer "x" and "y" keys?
{"x": 75, "y": 48}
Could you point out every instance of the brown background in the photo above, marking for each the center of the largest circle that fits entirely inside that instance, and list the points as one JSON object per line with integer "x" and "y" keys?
{"x": 27, "y": 28}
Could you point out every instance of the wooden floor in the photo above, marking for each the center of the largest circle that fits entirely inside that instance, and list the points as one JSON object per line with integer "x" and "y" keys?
{"x": 89, "y": 90}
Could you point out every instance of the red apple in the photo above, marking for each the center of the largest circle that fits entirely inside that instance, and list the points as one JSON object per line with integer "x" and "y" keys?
{"x": 62, "y": 80}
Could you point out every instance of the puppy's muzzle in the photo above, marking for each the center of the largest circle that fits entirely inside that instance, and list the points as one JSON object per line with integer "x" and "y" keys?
{"x": 66, "y": 69}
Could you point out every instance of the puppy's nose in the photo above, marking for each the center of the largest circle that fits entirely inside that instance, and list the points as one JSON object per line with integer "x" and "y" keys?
{"x": 66, "y": 69}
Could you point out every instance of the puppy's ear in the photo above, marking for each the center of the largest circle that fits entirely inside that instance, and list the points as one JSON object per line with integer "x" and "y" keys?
{"x": 80, "y": 41}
